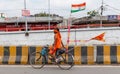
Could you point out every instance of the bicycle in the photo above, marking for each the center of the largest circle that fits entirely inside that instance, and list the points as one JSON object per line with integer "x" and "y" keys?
{"x": 39, "y": 59}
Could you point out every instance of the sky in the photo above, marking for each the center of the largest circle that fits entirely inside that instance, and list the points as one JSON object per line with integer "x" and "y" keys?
{"x": 12, "y": 8}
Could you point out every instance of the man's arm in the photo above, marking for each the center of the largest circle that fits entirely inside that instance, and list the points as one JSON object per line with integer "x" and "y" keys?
{"x": 62, "y": 44}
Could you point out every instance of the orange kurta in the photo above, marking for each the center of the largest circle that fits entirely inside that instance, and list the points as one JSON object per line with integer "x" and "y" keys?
{"x": 58, "y": 41}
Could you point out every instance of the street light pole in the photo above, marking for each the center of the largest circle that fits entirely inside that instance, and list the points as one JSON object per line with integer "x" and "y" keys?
{"x": 26, "y": 26}
{"x": 24, "y": 4}
{"x": 49, "y": 14}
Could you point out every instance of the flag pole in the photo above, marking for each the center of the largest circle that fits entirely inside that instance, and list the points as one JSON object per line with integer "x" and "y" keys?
{"x": 68, "y": 26}
{"x": 69, "y": 23}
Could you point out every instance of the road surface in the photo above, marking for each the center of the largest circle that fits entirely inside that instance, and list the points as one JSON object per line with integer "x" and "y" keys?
{"x": 26, "y": 69}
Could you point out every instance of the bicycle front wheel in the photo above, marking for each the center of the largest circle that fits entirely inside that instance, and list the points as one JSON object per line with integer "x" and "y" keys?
{"x": 37, "y": 61}
{"x": 66, "y": 61}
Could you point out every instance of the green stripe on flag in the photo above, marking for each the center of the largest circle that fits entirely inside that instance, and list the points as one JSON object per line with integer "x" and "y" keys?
{"x": 73, "y": 11}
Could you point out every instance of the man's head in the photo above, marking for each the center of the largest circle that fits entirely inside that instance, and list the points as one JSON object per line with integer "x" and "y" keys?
{"x": 56, "y": 30}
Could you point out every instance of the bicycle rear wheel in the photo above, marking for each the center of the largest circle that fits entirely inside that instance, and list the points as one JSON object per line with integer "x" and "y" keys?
{"x": 37, "y": 61}
{"x": 66, "y": 61}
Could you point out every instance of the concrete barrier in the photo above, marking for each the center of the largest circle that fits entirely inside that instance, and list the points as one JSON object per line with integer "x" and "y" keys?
{"x": 84, "y": 55}
{"x": 101, "y": 54}
{"x": 108, "y": 54}
{"x": 13, "y": 54}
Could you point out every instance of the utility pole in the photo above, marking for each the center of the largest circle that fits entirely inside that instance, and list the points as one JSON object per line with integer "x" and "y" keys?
{"x": 101, "y": 14}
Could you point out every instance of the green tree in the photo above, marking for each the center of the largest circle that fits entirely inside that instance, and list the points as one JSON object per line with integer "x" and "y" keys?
{"x": 92, "y": 13}
{"x": 44, "y": 14}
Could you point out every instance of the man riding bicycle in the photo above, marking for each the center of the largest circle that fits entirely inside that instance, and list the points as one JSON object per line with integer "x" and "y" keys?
{"x": 55, "y": 54}
{"x": 57, "y": 45}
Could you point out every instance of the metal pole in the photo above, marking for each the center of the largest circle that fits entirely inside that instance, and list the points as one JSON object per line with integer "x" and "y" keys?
{"x": 49, "y": 14}
{"x": 101, "y": 14}
{"x": 26, "y": 26}
{"x": 75, "y": 37}
{"x": 24, "y": 4}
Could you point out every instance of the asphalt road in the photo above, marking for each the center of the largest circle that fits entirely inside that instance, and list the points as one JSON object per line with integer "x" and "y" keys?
{"x": 18, "y": 69}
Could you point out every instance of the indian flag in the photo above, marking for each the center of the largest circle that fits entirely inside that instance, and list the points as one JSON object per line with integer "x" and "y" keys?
{"x": 78, "y": 7}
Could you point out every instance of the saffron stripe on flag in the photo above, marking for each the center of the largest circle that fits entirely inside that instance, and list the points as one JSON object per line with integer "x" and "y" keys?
{"x": 79, "y": 5}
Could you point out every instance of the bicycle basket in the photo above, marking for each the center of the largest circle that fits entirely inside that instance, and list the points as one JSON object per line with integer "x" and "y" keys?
{"x": 44, "y": 51}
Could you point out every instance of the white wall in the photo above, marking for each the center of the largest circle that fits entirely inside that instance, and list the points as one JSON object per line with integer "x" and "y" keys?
{"x": 112, "y": 36}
